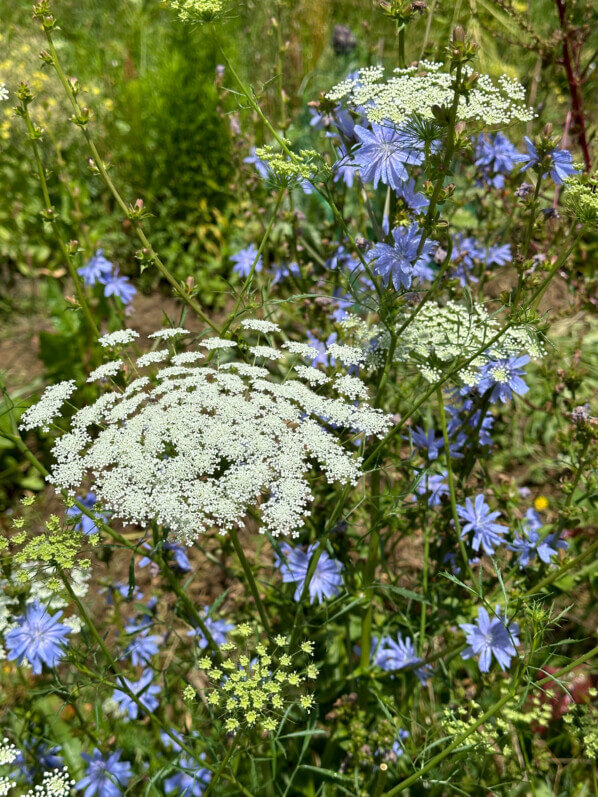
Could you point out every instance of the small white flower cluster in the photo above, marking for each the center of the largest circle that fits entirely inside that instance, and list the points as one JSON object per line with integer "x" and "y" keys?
{"x": 414, "y": 90}
{"x": 55, "y": 783}
{"x": 195, "y": 446}
{"x": 440, "y": 335}
{"x": 3, "y": 92}
{"x": 122, "y": 337}
{"x": 8, "y": 752}
{"x": 106, "y": 370}
{"x": 41, "y": 415}
{"x": 260, "y": 325}
{"x": 168, "y": 333}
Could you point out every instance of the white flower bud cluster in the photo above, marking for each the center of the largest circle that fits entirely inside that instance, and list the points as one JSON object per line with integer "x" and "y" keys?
{"x": 440, "y": 335}
{"x": 415, "y": 90}
{"x": 195, "y": 446}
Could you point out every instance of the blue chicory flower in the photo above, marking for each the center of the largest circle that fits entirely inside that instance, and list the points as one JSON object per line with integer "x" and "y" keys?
{"x": 326, "y": 581}
{"x": 529, "y": 544}
{"x": 143, "y": 648}
{"x": 179, "y": 562}
{"x": 434, "y": 486}
{"x": 322, "y": 357}
{"x": 104, "y": 776}
{"x": 466, "y": 250}
{"x": 383, "y": 153}
{"x": 191, "y": 779}
{"x": 413, "y": 199}
{"x": 97, "y": 269}
{"x": 503, "y": 378}
{"x": 491, "y": 637}
{"x": 391, "y": 655}
{"x": 561, "y": 162}
{"x": 45, "y": 758}
{"x": 498, "y": 255}
{"x": 39, "y": 638}
{"x": 217, "y": 628}
{"x": 144, "y": 690}
{"x": 472, "y": 423}
{"x": 495, "y": 156}
{"x": 480, "y": 520}
{"x": 244, "y": 260}
{"x": 398, "y": 262}
{"x": 344, "y": 169}
{"x": 85, "y": 524}
{"x": 284, "y": 271}
{"x": 120, "y": 287}
{"x": 428, "y": 441}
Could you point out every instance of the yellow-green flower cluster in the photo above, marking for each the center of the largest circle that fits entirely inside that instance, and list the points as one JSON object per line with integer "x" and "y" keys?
{"x": 581, "y": 198}
{"x": 197, "y": 10}
{"x": 457, "y": 721}
{"x": 535, "y": 711}
{"x": 257, "y": 684}
{"x": 307, "y": 164}
{"x": 55, "y": 547}
{"x": 583, "y": 719}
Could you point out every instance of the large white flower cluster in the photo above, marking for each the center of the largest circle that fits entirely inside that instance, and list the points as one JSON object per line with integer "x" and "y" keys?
{"x": 416, "y": 89}
{"x": 195, "y": 445}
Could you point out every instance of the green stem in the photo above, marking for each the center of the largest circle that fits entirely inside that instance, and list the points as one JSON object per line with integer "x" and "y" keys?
{"x": 82, "y": 299}
{"x": 280, "y": 67}
{"x": 216, "y": 777}
{"x": 451, "y": 481}
{"x": 249, "y": 279}
{"x": 113, "y": 665}
{"x": 404, "y": 784}
{"x": 250, "y": 579}
{"x": 402, "y": 47}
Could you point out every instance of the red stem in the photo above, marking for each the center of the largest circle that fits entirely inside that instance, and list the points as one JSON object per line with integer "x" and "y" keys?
{"x": 577, "y": 105}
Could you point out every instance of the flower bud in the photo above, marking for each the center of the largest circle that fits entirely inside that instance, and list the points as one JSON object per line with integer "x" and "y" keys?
{"x": 458, "y": 35}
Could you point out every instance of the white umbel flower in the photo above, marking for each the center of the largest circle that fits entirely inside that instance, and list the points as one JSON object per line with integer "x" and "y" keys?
{"x": 122, "y": 337}
{"x": 105, "y": 370}
{"x": 152, "y": 357}
{"x": 415, "y": 90}
{"x": 197, "y": 445}
{"x": 302, "y": 349}
{"x": 260, "y": 325}
{"x": 217, "y": 343}
{"x": 267, "y": 352}
{"x": 167, "y": 334}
